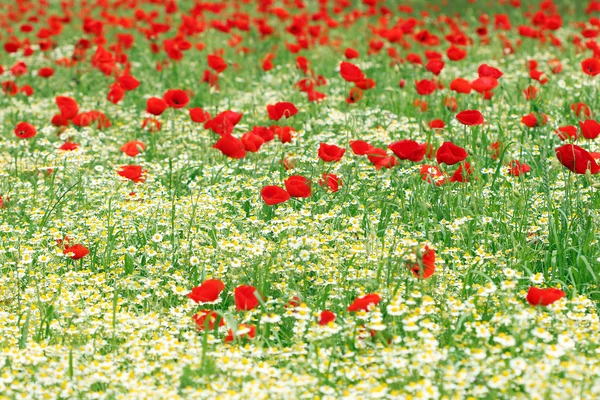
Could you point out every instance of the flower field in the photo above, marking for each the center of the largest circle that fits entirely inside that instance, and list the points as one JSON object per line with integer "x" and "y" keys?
{"x": 299, "y": 199}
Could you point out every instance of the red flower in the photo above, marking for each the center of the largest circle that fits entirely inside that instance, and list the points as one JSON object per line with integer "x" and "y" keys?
{"x": 224, "y": 122}
{"x": 460, "y": 85}
{"x": 484, "y": 84}
{"x": 68, "y": 107}
{"x": 208, "y": 291}
{"x": 590, "y": 129}
{"x": 246, "y": 297}
{"x": 207, "y": 319}
{"x": 408, "y": 150}
{"x": 217, "y": 63}
{"x": 543, "y": 297}
{"x": 115, "y": 94}
{"x": 427, "y": 262}
{"x": 486, "y": 70}
{"x": 437, "y": 124}
{"x": 529, "y": 120}
{"x": 274, "y": 195}
{"x": 462, "y": 173}
{"x": 350, "y": 53}
{"x": 360, "y": 147}
{"x": 326, "y": 317}
{"x": 350, "y": 72}
{"x": 68, "y": 146}
{"x": 581, "y": 110}
{"x": 331, "y": 152}
{"x": 77, "y": 251}
{"x": 133, "y": 173}
{"x": 425, "y": 87}
{"x": 252, "y": 142}
{"x": 517, "y": 168}
{"x": 380, "y": 158}
{"x": 331, "y": 181}
{"x": 133, "y": 148}
{"x": 530, "y": 92}
{"x": 363, "y": 303}
{"x": 470, "y": 117}
{"x": 176, "y": 98}
{"x": 128, "y": 82}
{"x": 155, "y": 106}
{"x": 432, "y": 174}
{"x": 243, "y": 331}
{"x": 435, "y": 66}
{"x": 24, "y": 130}
{"x": 231, "y": 146}
{"x": 297, "y": 186}
{"x": 576, "y": 159}
{"x": 566, "y": 132}
{"x": 450, "y": 154}
{"x": 591, "y": 66}
{"x": 281, "y": 109}
{"x": 456, "y": 53}
{"x": 284, "y": 133}
{"x": 46, "y": 72}
{"x": 354, "y": 96}
{"x": 199, "y": 115}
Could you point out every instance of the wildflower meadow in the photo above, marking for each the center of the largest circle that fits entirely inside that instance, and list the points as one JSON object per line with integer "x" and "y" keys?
{"x": 299, "y": 199}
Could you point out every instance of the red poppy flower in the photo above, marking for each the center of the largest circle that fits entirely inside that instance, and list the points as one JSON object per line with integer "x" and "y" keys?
{"x": 244, "y": 331}
{"x": 350, "y": 53}
{"x": 284, "y": 133}
{"x": 354, "y": 96}
{"x": 576, "y": 159}
{"x": 230, "y": 146}
{"x": 530, "y": 92}
{"x": 450, "y": 154}
{"x": 543, "y": 297}
{"x": 68, "y": 107}
{"x": 470, "y": 117}
{"x": 274, "y": 195}
{"x": 581, "y": 110}
{"x": 46, "y": 72}
{"x": 133, "y": 148}
{"x": 408, "y": 150}
{"x": 425, "y": 87}
{"x": 486, "y": 70}
{"x": 529, "y": 120}
{"x": 516, "y": 168}
{"x": 224, "y": 122}
{"x": 326, "y": 317}
{"x": 591, "y": 66}
{"x": 566, "y": 132}
{"x": 350, "y": 72}
{"x": 435, "y": 66}
{"x": 427, "y": 262}
{"x": 155, "y": 106}
{"x": 252, "y": 142}
{"x": 432, "y": 174}
{"x": 456, "y": 53}
{"x": 199, "y": 115}
{"x": 128, "y": 82}
{"x": 363, "y": 303}
{"x": 208, "y": 291}
{"x": 207, "y": 319}
{"x": 76, "y": 251}
{"x": 176, "y": 98}
{"x": 461, "y": 85}
{"x": 133, "y": 173}
{"x": 24, "y": 130}
{"x": 330, "y": 152}
{"x": 281, "y": 109}
{"x": 297, "y": 186}
{"x": 462, "y": 173}
{"x": 484, "y": 84}
{"x": 360, "y": 147}
{"x": 590, "y": 129}
{"x": 69, "y": 146}
{"x": 331, "y": 181}
{"x": 437, "y": 124}
{"x": 115, "y": 94}
{"x": 216, "y": 62}
{"x": 380, "y": 159}
{"x": 246, "y": 297}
